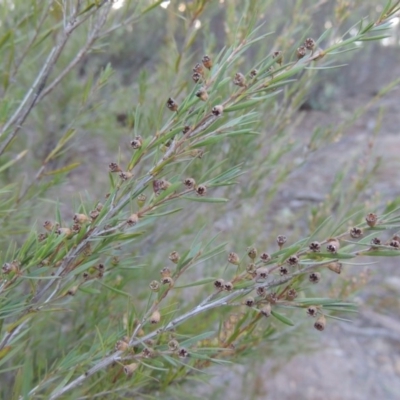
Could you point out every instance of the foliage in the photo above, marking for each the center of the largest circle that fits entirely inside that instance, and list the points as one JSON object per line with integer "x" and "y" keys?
{"x": 82, "y": 311}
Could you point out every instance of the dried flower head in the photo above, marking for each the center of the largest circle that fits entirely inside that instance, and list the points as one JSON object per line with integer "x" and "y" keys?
{"x": 249, "y": 302}
{"x": 10, "y": 267}
{"x": 219, "y": 284}
{"x": 125, "y": 175}
{"x": 196, "y": 77}
{"x": 312, "y": 311}
{"x": 281, "y": 240}
{"x": 262, "y": 273}
{"x": 147, "y": 353}
{"x": 320, "y": 323}
{"x": 165, "y": 272}
{"x": 157, "y": 186}
{"x": 301, "y": 52}
{"x": 137, "y": 142}
{"x": 376, "y": 242}
{"x": 76, "y": 228}
{"x": 266, "y": 310}
{"x": 228, "y": 286}
{"x": 48, "y": 225}
{"x": 217, "y": 110}
{"x": 172, "y": 105}
{"x": 72, "y": 291}
{"x": 252, "y": 252}
{"x": 114, "y": 167}
{"x": 265, "y": 257}
{"x": 130, "y": 368}
{"x": 186, "y": 129}
{"x": 356, "y": 233}
{"x": 202, "y": 94}
{"x": 167, "y": 281}
{"x": 85, "y": 275}
{"x": 183, "y": 353}
{"x": 174, "y": 257}
{"x": 132, "y": 220}
{"x": 198, "y": 68}
{"x": 335, "y": 267}
{"x": 201, "y": 190}
{"x": 272, "y": 298}
{"x": 291, "y": 294}
{"x": 315, "y": 246}
{"x": 253, "y": 73}
{"x": 141, "y": 199}
{"x": 121, "y": 345}
{"x": 94, "y": 214}
{"x": 283, "y": 270}
{"x": 233, "y": 258}
{"x": 278, "y": 57}
{"x": 190, "y": 183}
{"x": 333, "y": 245}
{"x": 154, "y": 286}
{"x": 239, "y": 79}
{"x": 309, "y": 43}
{"x": 42, "y": 236}
{"x": 395, "y": 244}
{"x": 371, "y": 219}
{"x": 207, "y": 62}
{"x": 64, "y": 231}
{"x": 314, "y": 277}
{"x": 80, "y": 218}
{"x": 261, "y": 291}
{"x": 155, "y": 317}
{"x": 292, "y": 260}
{"x": 173, "y": 345}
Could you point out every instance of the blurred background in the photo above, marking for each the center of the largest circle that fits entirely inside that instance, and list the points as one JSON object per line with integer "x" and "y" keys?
{"x": 327, "y": 146}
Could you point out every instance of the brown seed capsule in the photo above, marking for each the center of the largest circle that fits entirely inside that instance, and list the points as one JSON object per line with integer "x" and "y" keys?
{"x": 121, "y": 346}
{"x": 133, "y": 220}
{"x": 315, "y": 247}
{"x": 137, "y": 142}
{"x": 292, "y": 260}
{"x": 266, "y": 310}
{"x": 356, "y": 233}
{"x": 173, "y": 345}
{"x": 114, "y": 167}
{"x": 147, "y": 353}
{"x": 174, "y": 257}
{"x": 202, "y": 94}
{"x": 85, "y": 276}
{"x": 228, "y": 286}
{"x": 253, "y": 73}
{"x": 312, "y": 311}
{"x": 94, "y": 214}
{"x": 291, "y": 294}
{"x": 281, "y": 240}
{"x": 190, "y": 183}
{"x": 262, "y": 273}
{"x": 157, "y": 186}
{"x": 396, "y": 237}
{"x": 265, "y": 257}
{"x": 239, "y": 80}
{"x": 371, "y": 219}
{"x": 42, "y": 236}
{"x": 141, "y": 199}
{"x": 125, "y": 175}
{"x": 64, "y": 231}
{"x": 219, "y": 283}
{"x": 320, "y": 323}
{"x": 301, "y": 52}
{"x": 233, "y": 258}
{"x": 309, "y": 43}
{"x": 283, "y": 270}
{"x": 76, "y": 228}
{"x": 154, "y": 286}
{"x": 72, "y": 291}
{"x": 395, "y": 244}
{"x": 8, "y": 268}
{"x": 278, "y": 57}
{"x": 252, "y": 252}
{"x": 165, "y": 272}
{"x": 99, "y": 207}
{"x": 80, "y": 218}
{"x": 48, "y": 225}
{"x": 272, "y": 298}
{"x": 249, "y": 302}
{"x": 333, "y": 245}
{"x": 130, "y": 368}
{"x": 167, "y": 281}
{"x": 217, "y": 110}
{"x": 196, "y": 77}
{"x": 261, "y": 291}
{"x": 198, "y": 68}
{"x": 186, "y": 129}
{"x": 207, "y": 62}
{"x": 183, "y": 353}
{"x": 314, "y": 277}
{"x": 201, "y": 190}
{"x": 335, "y": 267}
{"x": 172, "y": 105}
{"x": 376, "y": 242}
{"x": 155, "y": 317}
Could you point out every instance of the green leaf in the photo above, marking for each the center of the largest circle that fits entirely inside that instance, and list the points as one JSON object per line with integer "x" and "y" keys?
{"x": 282, "y": 318}
{"x": 205, "y": 199}
{"x": 200, "y": 282}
